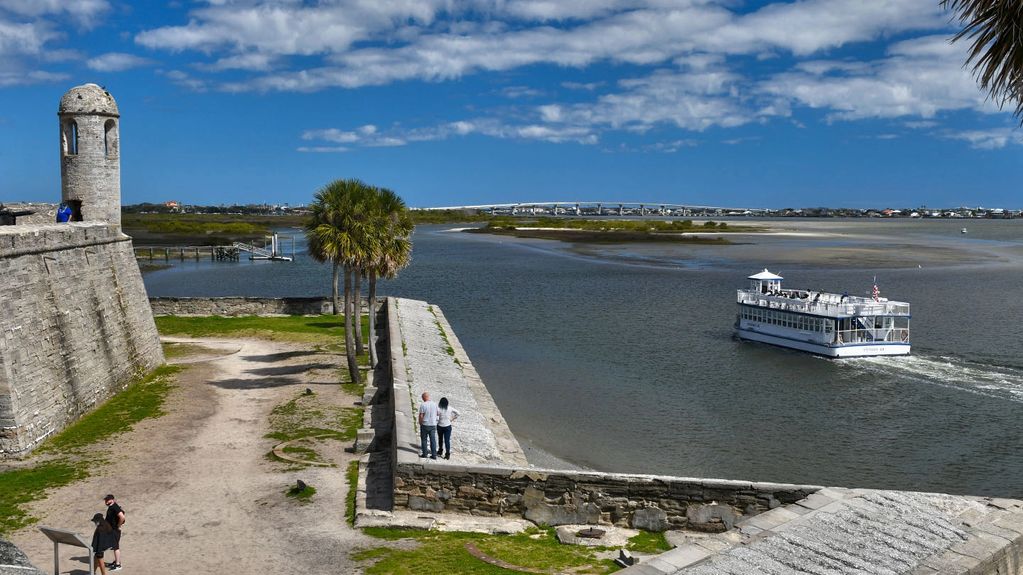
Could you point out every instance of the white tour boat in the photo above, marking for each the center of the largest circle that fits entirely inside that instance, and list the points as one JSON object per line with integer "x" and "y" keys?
{"x": 828, "y": 324}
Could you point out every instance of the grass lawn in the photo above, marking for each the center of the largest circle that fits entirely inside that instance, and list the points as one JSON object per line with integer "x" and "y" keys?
{"x": 320, "y": 329}
{"x": 21, "y": 486}
{"x": 442, "y": 552}
{"x": 647, "y": 542}
{"x": 352, "y": 477}
{"x": 172, "y": 350}
{"x": 305, "y": 416}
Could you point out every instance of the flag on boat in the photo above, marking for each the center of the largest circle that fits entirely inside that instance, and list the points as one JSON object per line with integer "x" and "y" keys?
{"x": 876, "y": 292}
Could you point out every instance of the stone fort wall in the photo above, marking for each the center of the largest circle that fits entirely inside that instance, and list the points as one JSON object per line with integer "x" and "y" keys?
{"x": 75, "y": 326}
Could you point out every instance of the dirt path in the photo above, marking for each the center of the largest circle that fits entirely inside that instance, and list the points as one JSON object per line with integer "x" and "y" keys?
{"x": 200, "y": 495}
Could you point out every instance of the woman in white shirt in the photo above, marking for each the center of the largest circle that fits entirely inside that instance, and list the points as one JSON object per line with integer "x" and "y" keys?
{"x": 445, "y": 415}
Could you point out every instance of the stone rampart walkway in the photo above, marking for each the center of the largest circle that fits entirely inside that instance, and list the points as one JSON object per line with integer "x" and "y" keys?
{"x": 855, "y": 531}
{"x": 436, "y": 363}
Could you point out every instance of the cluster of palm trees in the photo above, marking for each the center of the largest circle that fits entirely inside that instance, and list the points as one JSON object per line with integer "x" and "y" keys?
{"x": 362, "y": 231}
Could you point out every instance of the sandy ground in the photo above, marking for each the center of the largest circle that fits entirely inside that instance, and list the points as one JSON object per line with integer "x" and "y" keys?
{"x": 199, "y": 495}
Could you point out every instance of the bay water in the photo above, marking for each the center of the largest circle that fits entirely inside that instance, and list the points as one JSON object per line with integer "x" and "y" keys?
{"x": 621, "y": 357}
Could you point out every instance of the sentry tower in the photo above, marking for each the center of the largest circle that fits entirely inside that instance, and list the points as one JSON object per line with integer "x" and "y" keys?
{"x": 90, "y": 164}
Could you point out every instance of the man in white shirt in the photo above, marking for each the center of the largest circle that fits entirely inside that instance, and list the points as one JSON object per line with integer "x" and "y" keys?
{"x": 428, "y": 426}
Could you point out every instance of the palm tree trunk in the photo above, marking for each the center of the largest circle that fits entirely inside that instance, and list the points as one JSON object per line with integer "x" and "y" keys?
{"x": 337, "y": 303}
{"x": 357, "y": 316}
{"x": 372, "y": 318}
{"x": 353, "y": 366}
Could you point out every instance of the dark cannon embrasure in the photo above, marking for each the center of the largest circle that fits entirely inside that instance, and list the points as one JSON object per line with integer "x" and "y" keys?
{"x": 8, "y": 217}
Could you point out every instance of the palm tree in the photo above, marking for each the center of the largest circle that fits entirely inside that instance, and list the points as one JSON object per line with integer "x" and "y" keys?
{"x": 996, "y": 29}
{"x": 339, "y": 231}
{"x": 394, "y": 250}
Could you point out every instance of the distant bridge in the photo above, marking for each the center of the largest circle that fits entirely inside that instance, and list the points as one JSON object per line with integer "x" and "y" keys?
{"x": 579, "y": 208}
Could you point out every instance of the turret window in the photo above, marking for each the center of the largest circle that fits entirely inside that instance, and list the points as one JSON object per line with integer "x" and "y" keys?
{"x": 71, "y": 138}
{"x": 110, "y": 139}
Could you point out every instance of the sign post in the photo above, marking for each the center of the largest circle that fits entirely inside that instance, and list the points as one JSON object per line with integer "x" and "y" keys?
{"x": 66, "y": 537}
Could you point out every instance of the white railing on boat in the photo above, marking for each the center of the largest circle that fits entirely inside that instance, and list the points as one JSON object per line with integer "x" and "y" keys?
{"x": 826, "y": 304}
{"x": 879, "y": 335}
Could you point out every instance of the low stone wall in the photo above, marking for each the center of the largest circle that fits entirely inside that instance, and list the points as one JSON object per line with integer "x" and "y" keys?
{"x": 560, "y": 497}
{"x": 552, "y": 497}
{"x": 240, "y": 306}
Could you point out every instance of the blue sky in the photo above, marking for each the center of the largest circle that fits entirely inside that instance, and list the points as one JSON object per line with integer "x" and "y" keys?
{"x": 449, "y": 102}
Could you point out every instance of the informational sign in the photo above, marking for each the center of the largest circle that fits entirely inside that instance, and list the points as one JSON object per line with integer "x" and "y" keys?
{"x": 66, "y": 537}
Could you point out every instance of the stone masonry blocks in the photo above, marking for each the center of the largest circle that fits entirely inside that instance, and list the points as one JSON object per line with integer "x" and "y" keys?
{"x": 75, "y": 326}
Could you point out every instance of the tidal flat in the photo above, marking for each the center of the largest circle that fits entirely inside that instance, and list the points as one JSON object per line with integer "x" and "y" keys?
{"x": 840, "y": 243}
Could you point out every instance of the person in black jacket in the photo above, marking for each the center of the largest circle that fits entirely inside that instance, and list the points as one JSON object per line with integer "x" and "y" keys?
{"x": 115, "y": 517}
{"x": 102, "y": 539}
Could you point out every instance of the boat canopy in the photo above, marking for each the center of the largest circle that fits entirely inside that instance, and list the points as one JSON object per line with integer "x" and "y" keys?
{"x": 765, "y": 282}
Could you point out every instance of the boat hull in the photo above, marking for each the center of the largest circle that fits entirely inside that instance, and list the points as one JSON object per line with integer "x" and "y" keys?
{"x": 847, "y": 350}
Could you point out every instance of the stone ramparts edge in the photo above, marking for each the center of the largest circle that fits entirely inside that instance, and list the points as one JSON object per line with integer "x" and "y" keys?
{"x": 507, "y": 444}
{"x": 404, "y": 448}
{"x": 41, "y": 239}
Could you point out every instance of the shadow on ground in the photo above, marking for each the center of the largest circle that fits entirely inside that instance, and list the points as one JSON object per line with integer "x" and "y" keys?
{"x": 290, "y": 369}
{"x": 272, "y": 357}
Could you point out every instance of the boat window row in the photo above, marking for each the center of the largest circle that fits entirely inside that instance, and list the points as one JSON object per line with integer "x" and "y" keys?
{"x": 785, "y": 319}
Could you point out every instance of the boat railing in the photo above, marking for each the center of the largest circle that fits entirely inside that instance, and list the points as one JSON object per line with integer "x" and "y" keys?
{"x": 850, "y": 305}
{"x": 878, "y": 335}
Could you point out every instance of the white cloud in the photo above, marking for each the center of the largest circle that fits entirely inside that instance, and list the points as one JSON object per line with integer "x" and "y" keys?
{"x": 359, "y": 44}
{"x": 587, "y": 86}
{"x": 253, "y": 61}
{"x": 989, "y": 139}
{"x": 184, "y": 80}
{"x": 24, "y": 38}
{"x": 323, "y": 149}
{"x": 23, "y": 45}
{"x": 331, "y": 135}
{"x": 809, "y": 26}
{"x": 491, "y": 127}
{"x": 689, "y": 64}
{"x": 670, "y": 147}
{"x": 692, "y": 100}
{"x": 919, "y": 77}
{"x": 288, "y": 28}
{"x": 517, "y": 92}
{"x": 117, "y": 62}
{"x": 84, "y": 12}
{"x": 8, "y": 78}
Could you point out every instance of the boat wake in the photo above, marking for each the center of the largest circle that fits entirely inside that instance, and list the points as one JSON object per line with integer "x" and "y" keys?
{"x": 991, "y": 380}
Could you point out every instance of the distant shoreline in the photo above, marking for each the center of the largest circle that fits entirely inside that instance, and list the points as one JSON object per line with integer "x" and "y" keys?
{"x": 604, "y": 237}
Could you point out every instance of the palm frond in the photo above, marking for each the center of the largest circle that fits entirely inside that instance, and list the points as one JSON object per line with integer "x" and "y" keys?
{"x": 995, "y": 28}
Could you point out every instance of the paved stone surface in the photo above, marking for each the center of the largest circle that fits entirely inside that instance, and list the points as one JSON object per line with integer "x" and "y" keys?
{"x": 479, "y": 435}
{"x": 859, "y": 531}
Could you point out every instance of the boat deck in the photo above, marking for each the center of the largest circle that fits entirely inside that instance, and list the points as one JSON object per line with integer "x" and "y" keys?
{"x": 823, "y": 303}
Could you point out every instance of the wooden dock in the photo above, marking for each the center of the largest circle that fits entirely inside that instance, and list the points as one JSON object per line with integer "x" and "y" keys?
{"x": 166, "y": 253}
